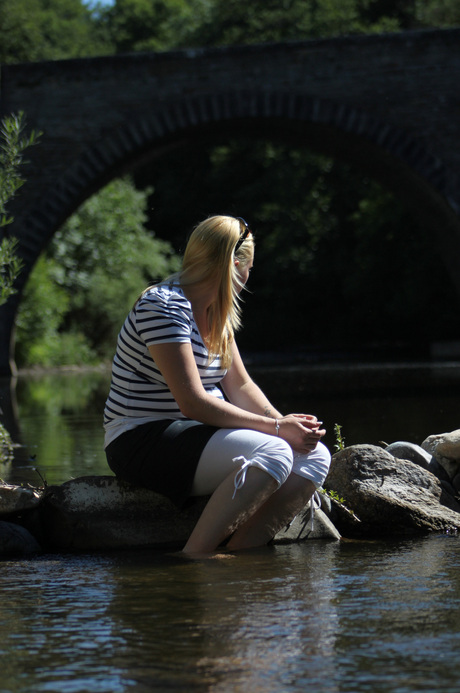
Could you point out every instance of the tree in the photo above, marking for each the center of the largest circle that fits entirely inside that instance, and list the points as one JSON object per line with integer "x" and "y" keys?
{"x": 151, "y": 25}
{"x": 90, "y": 275}
{"x": 437, "y": 13}
{"x": 32, "y": 30}
{"x": 13, "y": 144}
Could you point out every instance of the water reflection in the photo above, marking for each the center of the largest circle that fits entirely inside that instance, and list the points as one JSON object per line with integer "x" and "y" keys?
{"x": 112, "y": 623}
{"x": 275, "y": 624}
{"x": 341, "y": 617}
{"x": 56, "y": 419}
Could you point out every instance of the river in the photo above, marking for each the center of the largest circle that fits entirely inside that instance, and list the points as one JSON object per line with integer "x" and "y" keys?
{"x": 349, "y": 617}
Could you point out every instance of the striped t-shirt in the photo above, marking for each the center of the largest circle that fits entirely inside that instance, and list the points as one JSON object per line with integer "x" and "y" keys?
{"x": 138, "y": 391}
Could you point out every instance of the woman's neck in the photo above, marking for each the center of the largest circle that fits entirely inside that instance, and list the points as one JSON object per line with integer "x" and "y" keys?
{"x": 201, "y": 299}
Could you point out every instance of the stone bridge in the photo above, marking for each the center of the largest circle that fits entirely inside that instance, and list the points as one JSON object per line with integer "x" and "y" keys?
{"x": 389, "y": 104}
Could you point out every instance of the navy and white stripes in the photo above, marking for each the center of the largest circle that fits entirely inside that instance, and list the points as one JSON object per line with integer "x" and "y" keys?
{"x": 138, "y": 389}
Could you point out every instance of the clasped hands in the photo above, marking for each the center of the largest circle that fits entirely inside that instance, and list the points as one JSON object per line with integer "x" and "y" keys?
{"x": 301, "y": 431}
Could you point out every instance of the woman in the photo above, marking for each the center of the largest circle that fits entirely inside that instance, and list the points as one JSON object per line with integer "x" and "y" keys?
{"x": 169, "y": 426}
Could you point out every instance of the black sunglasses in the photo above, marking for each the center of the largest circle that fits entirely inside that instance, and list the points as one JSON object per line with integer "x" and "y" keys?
{"x": 244, "y": 235}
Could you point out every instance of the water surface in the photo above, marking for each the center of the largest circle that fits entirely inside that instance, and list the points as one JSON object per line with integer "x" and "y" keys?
{"x": 349, "y": 617}
{"x": 339, "y": 617}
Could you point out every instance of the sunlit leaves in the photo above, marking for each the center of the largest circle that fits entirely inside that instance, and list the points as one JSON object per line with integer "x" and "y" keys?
{"x": 13, "y": 144}
{"x": 95, "y": 267}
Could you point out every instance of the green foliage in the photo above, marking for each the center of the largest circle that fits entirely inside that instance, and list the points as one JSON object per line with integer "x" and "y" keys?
{"x": 334, "y": 495}
{"x": 13, "y": 144}
{"x": 33, "y": 30}
{"x": 340, "y": 440}
{"x": 6, "y": 446}
{"x": 10, "y": 266}
{"x": 44, "y": 303}
{"x": 83, "y": 286}
{"x": 437, "y": 13}
{"x": 233, "y": 21}
{"x": 42, "y": 311}
{"x": 148, "y": 25}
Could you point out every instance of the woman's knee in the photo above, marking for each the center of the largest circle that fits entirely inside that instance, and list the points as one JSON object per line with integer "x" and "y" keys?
{"x": 275, "y": 456}
{"x": 314, "y": 466}
{"x": 236, "y": 450}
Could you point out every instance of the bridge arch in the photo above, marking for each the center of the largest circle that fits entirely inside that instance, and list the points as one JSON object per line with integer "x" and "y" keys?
{"x": 390, "y": 155}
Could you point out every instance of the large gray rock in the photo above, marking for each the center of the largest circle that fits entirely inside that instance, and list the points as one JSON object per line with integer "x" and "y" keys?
{"x": 101, "y": 512}
{"x": 391, "y": 497}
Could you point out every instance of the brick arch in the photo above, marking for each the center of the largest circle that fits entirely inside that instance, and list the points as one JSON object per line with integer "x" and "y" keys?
{"x": 339, "y": 128}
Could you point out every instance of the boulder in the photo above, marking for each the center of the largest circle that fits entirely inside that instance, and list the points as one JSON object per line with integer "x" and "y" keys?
{"x": 101, "y": 512}
{"x": 415, "y": 453}
{"x": 16, "y": 540}
{"x": 456, "y": 484}
{"x": 16, "y": 499}
{"x": 412, "y": 452}
{"x": 389, "y": 496}
{"x": 445, "y": 448}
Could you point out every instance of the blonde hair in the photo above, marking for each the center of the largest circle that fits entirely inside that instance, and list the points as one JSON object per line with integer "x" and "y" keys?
{"x": 209, "y": 259}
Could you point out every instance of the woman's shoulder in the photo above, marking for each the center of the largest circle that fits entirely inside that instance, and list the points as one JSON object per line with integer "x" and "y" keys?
{"x": 164, "y": 295}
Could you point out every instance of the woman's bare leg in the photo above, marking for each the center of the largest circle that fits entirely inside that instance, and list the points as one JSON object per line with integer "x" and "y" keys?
{"x": 223, "y": 514}
{"x": 277, "y": 511}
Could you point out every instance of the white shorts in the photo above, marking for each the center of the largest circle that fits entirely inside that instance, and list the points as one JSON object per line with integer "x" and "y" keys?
{"x": 238, "y": 449}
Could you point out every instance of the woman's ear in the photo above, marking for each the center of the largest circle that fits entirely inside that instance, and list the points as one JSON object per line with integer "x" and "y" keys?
{"x": 237, "y": 262}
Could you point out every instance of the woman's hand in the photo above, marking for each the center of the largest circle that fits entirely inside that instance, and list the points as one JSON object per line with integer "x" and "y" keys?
{"x": 301, "y": 431}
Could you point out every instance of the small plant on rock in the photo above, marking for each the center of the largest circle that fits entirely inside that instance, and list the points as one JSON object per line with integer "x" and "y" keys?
{"x": 340, "y": 440}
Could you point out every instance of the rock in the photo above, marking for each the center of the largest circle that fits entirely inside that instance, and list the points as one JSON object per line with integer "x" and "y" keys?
{"x": 15, "y": 539}
{"x": 102, "y": 512}
{"x": 445, "y": 448}
{"x": 415, "y": 453}
{"x": 412, "y": 452}
{"x": 456, "y": 484}
{"x": 15, "y": 499}
{"x": 391, "y": 497}
{"x": 97, "y": 513}
{"x": 300, "y": 528}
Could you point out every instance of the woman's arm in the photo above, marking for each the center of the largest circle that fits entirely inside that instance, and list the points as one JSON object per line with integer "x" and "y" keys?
{"x": 242, "y": 391}
{"x": 177, "y": 365}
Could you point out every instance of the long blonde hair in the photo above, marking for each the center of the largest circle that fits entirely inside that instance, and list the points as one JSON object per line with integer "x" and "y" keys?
{"x": 209, "y": 259}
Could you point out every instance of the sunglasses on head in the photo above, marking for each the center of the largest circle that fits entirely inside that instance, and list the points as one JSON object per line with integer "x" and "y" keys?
{"x": 244, "y": 235}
